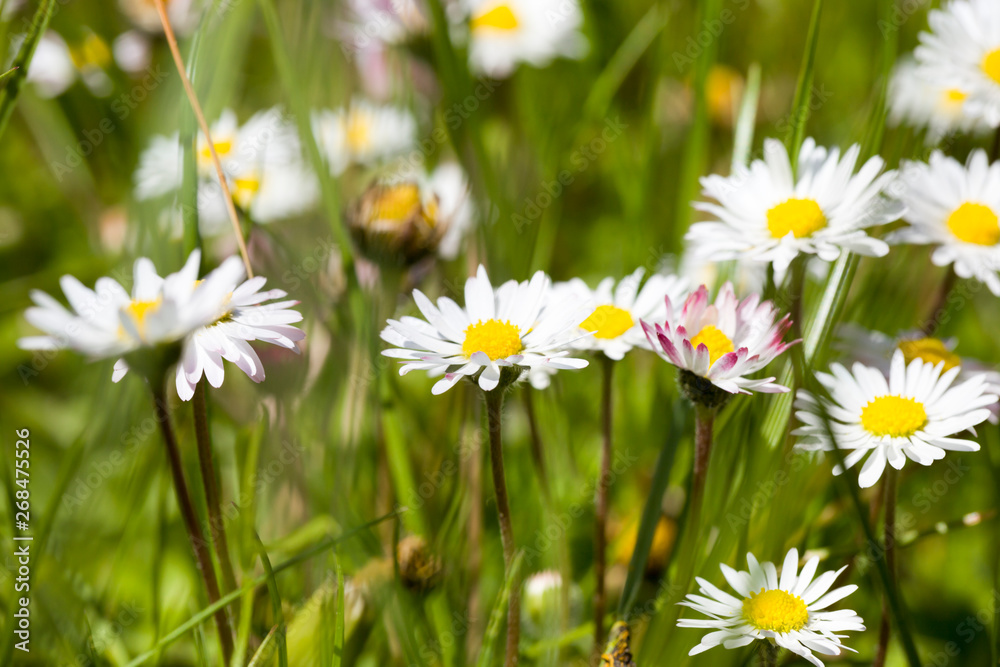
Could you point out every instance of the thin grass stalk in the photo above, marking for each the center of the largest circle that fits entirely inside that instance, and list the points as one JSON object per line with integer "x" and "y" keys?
{"x": 537, "y": 452}
{"x": 227, "y": 196}
{"x": 803, "y": 88}
{"x": 889, "y": 484}
{"x": 601, "y": 513}
{"x": 15, "y": 77}
{"x": 203, "y": 558}
{"x": 494, "y": 414}
{"x": 216, "y": 522}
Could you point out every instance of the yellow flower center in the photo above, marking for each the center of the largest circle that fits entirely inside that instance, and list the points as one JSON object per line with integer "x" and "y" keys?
{"x": 954, "y": 96}
{"x": 245, "y": 189}
{"x": 931, "y": 350}
{"x": 975, "y": 223}
{"x": 608, "y": 322}
{"x": 893, "y": 416}
{"x": 500, "y": 17}
{"x": 498, "y": 340}
{"x": 92, "y": 52}
{"x": 139, "y": 310}
{"x": 395, "y": 203}
{"x": 801, "y": 217}
{"x": 223, "y": 147}
{"x": 991, "y": 65}
{"x": 359, "y": 127}
{"x": 717, "y": 342}
{"x": 775, "y": 610}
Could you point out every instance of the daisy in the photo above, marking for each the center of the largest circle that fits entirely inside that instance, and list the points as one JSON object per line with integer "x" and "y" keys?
{"x": 616, "y": 310}
{"x": 262, "y": 162}
{"x": 504, "y": 33}
{"x": 874, "y": 348}
{"x": 955, "y": 208}
{"x": 788, "y": 610}
{"x": 108, "y": 321}
{"x": 56, "y": 65}
{"x": 363, "y": 134}
{"x": 511, "y": 326}
{"x": 405, "y": 220}
{"x": 917, "y": 98}
{"x": 719, "y": 345}
{"x": 767, "y": 213}
{"x": 914, "y": 414}
{"x": 962, "y": 50}
{"x": 371, "y": 31}
{"x": 245, "y": 317}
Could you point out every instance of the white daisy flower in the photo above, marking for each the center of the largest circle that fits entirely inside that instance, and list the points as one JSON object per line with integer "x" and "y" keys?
{"x": 108, "y": 321}
{"x": 955, "y": 208}
{"x": 874, "y": 348}
{"x": 767, "y": 213}
{"x": 789, "y": 610}
{"x": 449, "y": 185}
{"x": 246, "y": 317}
{"x": 56, "y": 65}
{"x": 617, "y": 310}
{"x": 262, "y": 161}
{"x": 917, "y": 98}
{"x": 722, "y": 343}
{"x": 962, "y": 50}
{"x": 363, "y": 133}
{"x": 912, "y": 415}
{"x": 504, "y": 33}
{"x": 511, "y": 326}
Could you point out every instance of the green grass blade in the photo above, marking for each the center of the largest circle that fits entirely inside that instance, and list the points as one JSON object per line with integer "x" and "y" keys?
{"x": 18, "y": 73}
{"x": 339, "y": 628}
{"x": 803, "y": 89}
{"x": 746, "y": 121}
{"x": 497, "y": 616}
{"x": 279, "y": 614}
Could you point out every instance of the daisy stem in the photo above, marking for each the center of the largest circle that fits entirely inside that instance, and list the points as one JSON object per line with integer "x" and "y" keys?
{"x": 198, "y": 544}
{"x": 601, "y": 513}
{"x": 937, "y": 315}
{"x": 494, "y": 414}
{"x": 704, "y": 420}
{"x": 216, "y": 522}
{"x": 768, "y": 654}
{"x": 889, "y": 538}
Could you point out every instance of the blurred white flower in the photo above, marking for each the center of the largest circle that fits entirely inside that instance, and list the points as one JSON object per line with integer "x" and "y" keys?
{"x": 917, "y": 98}
{"x": 56, "y": 64}
{"x": 363, "y": 134}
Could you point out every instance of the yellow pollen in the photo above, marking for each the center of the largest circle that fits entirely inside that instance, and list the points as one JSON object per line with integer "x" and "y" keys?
{"x": 359, "y": 127}
{"x": 222, "y": 148}
{"x": 500, "y": 17}
{"x": 931, "y": 350}
{"x": 138, "y": 310}
{"x": 717, "y": 342}
{"x": 991, "y": 65}
{"x": 92, "y": 52}
{"x": 955, "y": 96}
{"x": 801, "y": 217}
{"x": 893, "y": 416}
{"x": 608, "y": 322}
{"x": 244, "y": 190}
{"x": 497, "y": 339}
{"x": 775, "y": 610}
{"x": 975, "y": 223}
{"x": 396, "y": 203}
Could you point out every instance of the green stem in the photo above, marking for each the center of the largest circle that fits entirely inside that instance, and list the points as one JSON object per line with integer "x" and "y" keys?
{"x": 198, "y": 544}
{"x": 216, "y": 522}
{"x": 494, "y": 413}
{"x": 768, "y": 654}
{"x": 704, "y": 421}
{"x": 889, "y": 484}
{"x": 601, "y": 513}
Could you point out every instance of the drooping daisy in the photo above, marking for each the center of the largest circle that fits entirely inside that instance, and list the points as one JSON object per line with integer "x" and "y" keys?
{"x": 108, "y": 321}
{"x": 504, "y": 33}
{"x": 401, "y": 221}
{"x": 767, "y": 213}
{"x": 510, "y": 327}
{"x": 876, "y": 349}
{"x": 917, "y": 98}
{"x": 262, "y": 161}
{"x": 914, "y": 414}
{"x": 720, "y": 344}
{"x": 789, "y": 610}
{"x": 962, "y": 50}
{"x": 955, "y": 208}
{"x": 244, "y": 317}
{"x": 617, "y": 310}
{"x": 363, "y": 134}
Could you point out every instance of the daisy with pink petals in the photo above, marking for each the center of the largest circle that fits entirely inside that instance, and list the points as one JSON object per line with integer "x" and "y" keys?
{"x": 719, "y": 345}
